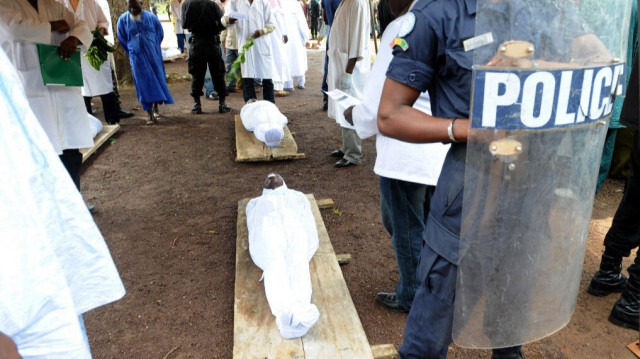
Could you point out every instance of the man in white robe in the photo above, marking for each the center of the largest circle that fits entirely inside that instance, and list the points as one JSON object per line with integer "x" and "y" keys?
{"x": 265, "y": 121}
{"x": 96, "y": 82}
{"x": 349, "y": 66}
{"x": 257, "y": 23}
{"x": 54, "y": 263}
{"x": 282, "y": 240}
{"x": 59, "y": 109}
{"x": 279, "y": 41}
{"x": 298, "y": 34}
{"x": 176, "y": 10}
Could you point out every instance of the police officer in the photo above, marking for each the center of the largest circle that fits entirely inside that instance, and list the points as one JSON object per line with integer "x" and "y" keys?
{"x": 421, "y": 63}
{"x": 202, "y": 19}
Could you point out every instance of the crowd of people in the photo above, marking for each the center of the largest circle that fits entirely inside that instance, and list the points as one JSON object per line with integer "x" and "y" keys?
{"x": 415, "y": 100}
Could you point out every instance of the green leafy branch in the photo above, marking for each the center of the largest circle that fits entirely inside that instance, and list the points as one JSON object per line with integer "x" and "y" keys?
{"x": 235, "y": 66}
{"x": 99, "y": 50}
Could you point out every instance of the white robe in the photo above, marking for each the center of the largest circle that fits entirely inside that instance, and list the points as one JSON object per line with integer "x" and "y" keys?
{"x": 96, "y": 82}
{"x": 349, "y": 38}
{"x": 281, "y": 73}
{"x": 60, "y": 110}
{"x": 176, "y": 13}
{"x": 282, "y": 241}
{"x": 260, "y": 116}
{"x": 259, "y": 58}
{"x": 54, "y": 263}
{"x": 297, "y": 32}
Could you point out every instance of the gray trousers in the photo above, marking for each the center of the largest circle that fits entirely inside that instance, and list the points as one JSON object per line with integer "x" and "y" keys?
{"x": 351, "y": 145}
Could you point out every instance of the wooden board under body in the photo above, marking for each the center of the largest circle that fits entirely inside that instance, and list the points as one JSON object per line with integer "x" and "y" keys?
{"x": 99, "y": 140}
{"x": 250, "y": 149}
{"x": 337, "y": 334}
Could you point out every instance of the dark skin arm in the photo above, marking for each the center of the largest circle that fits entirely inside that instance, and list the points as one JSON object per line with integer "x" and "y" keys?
{"x": 68, "y": 47}
{"x": 398, "y": 119}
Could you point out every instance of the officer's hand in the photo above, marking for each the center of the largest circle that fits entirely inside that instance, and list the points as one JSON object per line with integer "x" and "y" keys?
{"x": 348, "y": 115}
{"x": 8, "y": 349}
{"x": 285, "y": 39}
{"x": 346, "y": 82}
{"x": 500, "y": 60}
{"x": 103, "y": 31}
{"x": 68, "y": 47}
{"x": 257, "y": 34}
{"x": 232, "y": 21}
{"x": 60, "y": 26}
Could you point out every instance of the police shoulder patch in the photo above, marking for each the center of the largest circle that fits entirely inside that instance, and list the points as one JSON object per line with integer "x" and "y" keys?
{"x": 407, "y": 22}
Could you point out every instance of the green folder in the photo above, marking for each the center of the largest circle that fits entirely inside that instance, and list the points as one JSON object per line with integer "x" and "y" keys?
{"x": 57, "y": 71}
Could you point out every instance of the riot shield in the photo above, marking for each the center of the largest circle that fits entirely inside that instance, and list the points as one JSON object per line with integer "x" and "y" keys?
{"x": 544, "y": 84}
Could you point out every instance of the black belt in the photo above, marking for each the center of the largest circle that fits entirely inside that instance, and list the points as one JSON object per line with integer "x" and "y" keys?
{"x": 212, "y": 38}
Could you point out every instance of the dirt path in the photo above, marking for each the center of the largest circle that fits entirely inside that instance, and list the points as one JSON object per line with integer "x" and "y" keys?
{"x": 167, "y": 198}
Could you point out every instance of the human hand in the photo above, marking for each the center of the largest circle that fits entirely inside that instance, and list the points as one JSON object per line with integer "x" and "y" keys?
{"x": 68, "y": 47}
{"x": 103, "y": 31}
{"x": 348, "y": 115}
{"x": 500, "y": 60}
{"x": 8, "y": 349}
{"x": 232, "y": 21}
{"x": 60, "y": 26}
{"x": 285, "y": 39}
{"x": 346, "y": 82}
{"x": 257, "y": 34}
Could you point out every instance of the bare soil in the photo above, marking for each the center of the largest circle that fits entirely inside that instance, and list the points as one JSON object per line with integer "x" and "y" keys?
{"x": 167, "y": 206}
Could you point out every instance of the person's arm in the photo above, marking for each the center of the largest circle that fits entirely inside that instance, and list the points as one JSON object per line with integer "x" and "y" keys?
{"x": 269, "y": 22}
{"x": 122, "y": 34}
{"x": 103, "y": 22}
{"x": 159, "y": 31}
{"x": 398, "y": 119}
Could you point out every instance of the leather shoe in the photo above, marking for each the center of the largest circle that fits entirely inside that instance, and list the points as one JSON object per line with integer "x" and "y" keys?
{"x": 124, "y": 114}
{"x": 224, "y": 108}
{"x": 343, "y": 163}
{"x": 389, "y": 301}
{"x": 325, "y": 105}
{"x": 337, "y": 154}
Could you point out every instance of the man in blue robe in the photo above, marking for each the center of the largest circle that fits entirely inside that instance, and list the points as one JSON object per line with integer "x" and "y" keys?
{"x": 140, "y": 34}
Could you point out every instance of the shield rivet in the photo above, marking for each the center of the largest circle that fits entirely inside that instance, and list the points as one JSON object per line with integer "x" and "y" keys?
{"x": 512, "y": 166}
{"x": 519, "y": 148}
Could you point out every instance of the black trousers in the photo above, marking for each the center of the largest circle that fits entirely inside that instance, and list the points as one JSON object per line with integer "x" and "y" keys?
{"x": 314, "y": 27}
{"x": 624, "y": 234}
{"x": 109, "y": 105}
{"x": 72, "y": 160}
{"x": 249, "y": 90}
{"x": 203, "y": 52}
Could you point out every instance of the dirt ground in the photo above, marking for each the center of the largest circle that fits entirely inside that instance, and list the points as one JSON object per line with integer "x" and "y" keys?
{"x": 167, "y": 204}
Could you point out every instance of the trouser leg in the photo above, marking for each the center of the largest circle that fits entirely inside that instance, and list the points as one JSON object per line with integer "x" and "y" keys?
{"x": 87, "y": 104}
{"x": 72, "y": 160}
{"x": 248, "y": 89}
{"x": 624, "y": 234}
{"x": 427, "y": 334}
{"x": 267, "y": 87}
{"x": 197, "y": 65}
{"x": 110, "y": 108}
{"x": 404, "y": 207}
{"x": 232, "y": 55}
{"x": 180, "y": 38}
{"x": 351, "y": 145}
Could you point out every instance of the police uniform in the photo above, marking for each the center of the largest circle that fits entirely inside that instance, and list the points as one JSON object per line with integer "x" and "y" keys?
{"x": 203, "y": 19}
{"x": 430, "y": 57}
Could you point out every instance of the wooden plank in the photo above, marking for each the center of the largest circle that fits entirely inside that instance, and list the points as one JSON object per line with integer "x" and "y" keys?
{"x": 635, "y": 348}
{"x": 325, "y": 203}
{"x": 99, "y": 140}
{"x": 337, "y": 334}
{"x": 174, "y": 58}
{"x": 343, "y": 258}
{"x": 384, "y": 351}
{"x": 250, "y": 149}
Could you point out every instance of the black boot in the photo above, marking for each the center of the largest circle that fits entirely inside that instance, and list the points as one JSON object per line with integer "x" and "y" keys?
{"x": 625, "y": 312}
{"x": 223, "y": 107}
{"x": 197, "y": 107}
{"x": 608, "y": 279}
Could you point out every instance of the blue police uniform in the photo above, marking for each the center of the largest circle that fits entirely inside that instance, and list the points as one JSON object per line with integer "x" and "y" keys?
{"x": 436, "y": 61}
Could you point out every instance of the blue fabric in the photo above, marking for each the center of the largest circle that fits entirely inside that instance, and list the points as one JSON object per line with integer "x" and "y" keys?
{"x": 435, "y": 51}
{"x": 330, "y": 7}
{"x": 141, "y": 41}
{"x": 230, "y": 57}
{"x": 208, "y": 86}
{"x": 180, "y": 38}
{"x": 404, "y": 207}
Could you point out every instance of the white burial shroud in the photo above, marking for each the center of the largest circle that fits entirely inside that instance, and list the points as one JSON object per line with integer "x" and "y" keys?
{"x": 260, "y": 116}
{"x": 282, "y": 241}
